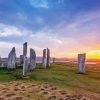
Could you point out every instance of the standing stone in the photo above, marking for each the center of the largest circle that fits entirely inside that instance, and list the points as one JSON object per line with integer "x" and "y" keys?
{"x": 25, "y": 66}
{"x": 54, "y": 59}
{"x": 44, "y": 59}
{"x": 81, "y": 62}
{"x": 12, "y": 59}
{"x": 32, "y": 59}
{"x": 21, "y": 59}
{"x": 48, "y": 57}
{"x": 25, "y": 49}
{"x": 0, "y": 59}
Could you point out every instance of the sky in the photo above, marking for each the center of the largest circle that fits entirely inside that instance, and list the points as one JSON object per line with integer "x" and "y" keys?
{"x": 67, "y": 27}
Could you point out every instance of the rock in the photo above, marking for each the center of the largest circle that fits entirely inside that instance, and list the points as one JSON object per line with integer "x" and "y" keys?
{"x": 25, "y": 49}
{"x": 21, "y": 59}
{"x": 12, "y": 59}
{"x": 44, "y": 60}
{"x": 25, "y": 66}
{"x": 32, "y": 59}
{"x": 48, "y": 57}
{"x": 81, "y": 62}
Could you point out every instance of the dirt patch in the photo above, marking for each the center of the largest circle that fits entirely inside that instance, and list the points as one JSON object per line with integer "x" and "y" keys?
{"x": 22, "y": 90}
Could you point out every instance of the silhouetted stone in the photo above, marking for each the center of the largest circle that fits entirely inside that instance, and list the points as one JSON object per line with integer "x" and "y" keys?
{"x": 44, "y": 59}
{"x": 25, "y": 66}
{"x": 21, "y": 59}
{"x": 81, "y": 62}
{"x": 12, "y": 59}
{"x": 25, "y": 49}
{"x": 32, "y": 59}
{"x": 48, "y": 57}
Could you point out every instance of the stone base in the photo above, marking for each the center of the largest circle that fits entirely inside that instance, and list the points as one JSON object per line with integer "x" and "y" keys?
{"x": 80, "y": 73}
{"x": 25, "y": 77}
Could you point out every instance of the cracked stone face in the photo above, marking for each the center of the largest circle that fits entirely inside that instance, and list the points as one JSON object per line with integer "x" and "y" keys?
{"x": 32, "y": 59}
{"x": 81, "y": 62}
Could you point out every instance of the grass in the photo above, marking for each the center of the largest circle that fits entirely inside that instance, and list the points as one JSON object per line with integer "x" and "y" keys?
{"x": 59, "y": 74}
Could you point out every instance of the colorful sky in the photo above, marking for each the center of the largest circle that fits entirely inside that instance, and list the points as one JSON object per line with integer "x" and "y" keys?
{"x": 67, "y": 27}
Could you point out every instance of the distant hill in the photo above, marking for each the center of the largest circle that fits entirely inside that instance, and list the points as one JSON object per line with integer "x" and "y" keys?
{"x": 59, "y": 59}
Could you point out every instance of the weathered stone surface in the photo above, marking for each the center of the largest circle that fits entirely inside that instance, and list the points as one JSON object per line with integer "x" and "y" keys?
{"x": 25, "y": 66}
{"x": 0, "y": 59}
{"x": 12, "y": 59}
{"x": 32, "y": 59}
{"x": 25, "y": 49}
{"x": 81, "y": 62}
{"x": 21, "y": 59}
{"x": 48, "y": 57}
{"x": 44, "y": 59}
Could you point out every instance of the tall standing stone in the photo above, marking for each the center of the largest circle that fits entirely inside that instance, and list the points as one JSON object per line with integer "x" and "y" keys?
{"x": 25, "y": 49}
{"x": 48, "y": 57}
{"x": 25, "y": 66}
{"x": 21, "y": 59}
{"x": 44, "y": 59}
{"x": 32, "y": 59}
{"x": 81, "y": 62}
{"x": 12, "y": 59}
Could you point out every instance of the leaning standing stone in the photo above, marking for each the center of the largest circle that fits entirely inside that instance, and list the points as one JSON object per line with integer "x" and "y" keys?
{"x": 32, "y": 59}
{"x": 25, "y": 49}
{"x": 12, "y": 59}
{"x": 48, "y": 57}
{"x": 25, "y": 66}
{"x": 44, "y": 60}
{"x": 81, "y": 62}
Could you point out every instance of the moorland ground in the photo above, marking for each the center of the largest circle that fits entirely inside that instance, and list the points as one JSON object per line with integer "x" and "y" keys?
{"x": 62, "y": 76}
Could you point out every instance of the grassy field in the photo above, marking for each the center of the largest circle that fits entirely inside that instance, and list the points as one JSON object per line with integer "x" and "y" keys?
{"x": 61, "y": 75}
